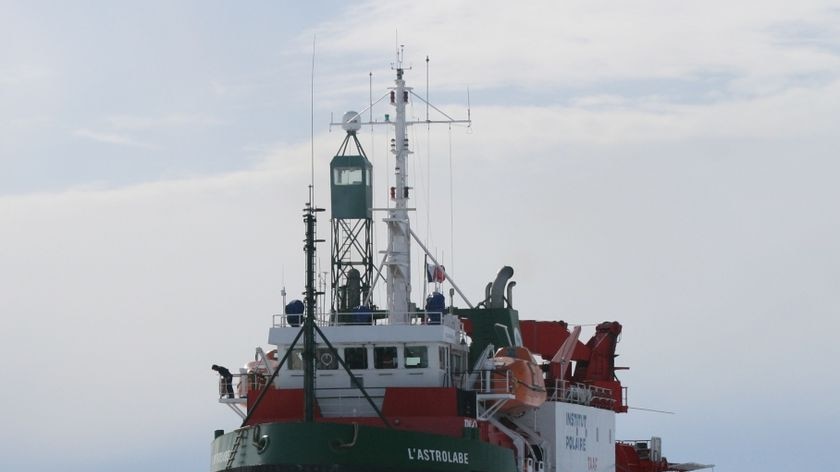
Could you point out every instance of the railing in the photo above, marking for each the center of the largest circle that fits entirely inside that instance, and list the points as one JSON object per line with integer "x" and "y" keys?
{"x": 370, "y": 318}
{"x": 581, "y": 394}
{"x": 237, "y": 385}
{"x": 647, "y": 449}
{"x": 489, "y": 381}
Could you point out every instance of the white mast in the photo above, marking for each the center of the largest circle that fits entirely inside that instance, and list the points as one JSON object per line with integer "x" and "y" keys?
{"x": 398, "y": 254}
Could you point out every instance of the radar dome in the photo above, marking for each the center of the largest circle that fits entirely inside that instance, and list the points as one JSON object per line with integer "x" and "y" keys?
{"x": 351, "y": 121}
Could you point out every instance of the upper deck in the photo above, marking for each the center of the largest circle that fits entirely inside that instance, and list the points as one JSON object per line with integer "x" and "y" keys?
{"x": 368, "y": 328}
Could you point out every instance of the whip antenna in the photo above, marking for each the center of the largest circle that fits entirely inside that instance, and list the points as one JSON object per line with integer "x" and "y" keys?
{"x": 312, "y": 127}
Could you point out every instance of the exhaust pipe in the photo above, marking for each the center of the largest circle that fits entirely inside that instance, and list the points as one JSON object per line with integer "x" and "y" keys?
{"x": 497, "y": 299}
{"x": 510, "y": 293}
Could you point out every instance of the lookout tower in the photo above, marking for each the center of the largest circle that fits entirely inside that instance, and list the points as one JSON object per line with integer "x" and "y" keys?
{"x": 352, "y": 199}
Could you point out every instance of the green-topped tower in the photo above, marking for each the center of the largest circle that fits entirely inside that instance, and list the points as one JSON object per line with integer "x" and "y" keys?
{"x": 351, "y": 203}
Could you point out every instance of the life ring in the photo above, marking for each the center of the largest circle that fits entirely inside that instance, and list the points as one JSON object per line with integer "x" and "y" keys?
{"x": 326, "y": 358}
{"x": 272, "y": 355}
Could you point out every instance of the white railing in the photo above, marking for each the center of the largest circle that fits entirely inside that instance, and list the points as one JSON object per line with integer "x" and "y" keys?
{"x": 364, "y": 319}
{"x": 645, "y": 448}
{"x": 491, "y": 381}
{"x": 581, "y": 394}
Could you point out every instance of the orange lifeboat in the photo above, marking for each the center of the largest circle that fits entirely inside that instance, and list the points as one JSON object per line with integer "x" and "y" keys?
{"x": 516, "y": 372}
{"x": 255, "y": 375}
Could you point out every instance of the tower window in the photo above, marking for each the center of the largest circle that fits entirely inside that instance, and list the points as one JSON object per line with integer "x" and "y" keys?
{"x": 347, "y": 176}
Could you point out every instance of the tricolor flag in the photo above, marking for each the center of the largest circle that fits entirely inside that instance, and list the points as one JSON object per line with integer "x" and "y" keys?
{"x": 435, "y": 273}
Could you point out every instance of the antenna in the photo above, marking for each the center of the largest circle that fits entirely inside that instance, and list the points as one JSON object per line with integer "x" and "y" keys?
{"x": 428, "y": 171}
{"x": 427, "y": 89}
{"x": 651, "y": 410}
{"x": 312, "y": 127}
{"x": 451, "y": 204}
{"x": 397, "y": 64}
{"x": 469, "y": 119}
{"x": 283, "y": 290}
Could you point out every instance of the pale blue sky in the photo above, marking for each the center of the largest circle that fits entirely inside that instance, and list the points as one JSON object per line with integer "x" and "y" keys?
{"x": 670, "y": 165}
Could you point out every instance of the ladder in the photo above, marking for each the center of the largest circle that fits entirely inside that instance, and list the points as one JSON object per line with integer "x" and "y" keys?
{"x": 238, "y": 442}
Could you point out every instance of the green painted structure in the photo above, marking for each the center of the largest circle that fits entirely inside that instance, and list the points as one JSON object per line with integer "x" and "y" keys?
{"x": 486, "y": 329}
{"x": 350, "y": 187}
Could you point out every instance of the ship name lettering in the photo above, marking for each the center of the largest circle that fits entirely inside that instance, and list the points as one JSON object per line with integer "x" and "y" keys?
{"x": 437, "y": 455}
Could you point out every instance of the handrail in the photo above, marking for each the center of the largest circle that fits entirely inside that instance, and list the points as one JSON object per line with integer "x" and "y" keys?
{"x": 581, "y": 394}
{"x": 491, "y": 381}
{"x": 364, "y": 319}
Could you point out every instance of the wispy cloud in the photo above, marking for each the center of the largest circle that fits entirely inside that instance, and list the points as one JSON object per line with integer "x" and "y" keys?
{"x": 555, "y": 46}
{"x": 22, "y": 74}
{"x": 173, "y": 120}
{"x": 110, "y": 138}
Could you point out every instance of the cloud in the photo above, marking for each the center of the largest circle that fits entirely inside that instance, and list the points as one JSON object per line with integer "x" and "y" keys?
{"x": 125, "y": 307}
{"x": 21, "y": 74}
{"x": 793, "y": 114}
{"x": 173, "y": 120}
{"x": 120, "y": 123}
{"x": 110, "y": 138}
{"x": 555, "y": 45}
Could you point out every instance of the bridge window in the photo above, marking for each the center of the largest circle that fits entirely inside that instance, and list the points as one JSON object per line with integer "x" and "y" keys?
{"x": 416, "y": 357}
{"x": 295, "y": 361}
{"x": 459, "y": 362}
{"x": 356, "y": 357}
{"x": 347, "y": 176}
{"x": 385, "y": 357}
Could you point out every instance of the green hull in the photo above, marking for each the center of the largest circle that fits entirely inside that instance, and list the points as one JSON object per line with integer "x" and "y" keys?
{"x": 336, "y": 447}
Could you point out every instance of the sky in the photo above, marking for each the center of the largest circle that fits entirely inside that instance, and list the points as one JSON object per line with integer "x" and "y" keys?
{"x": 670, "y": 165}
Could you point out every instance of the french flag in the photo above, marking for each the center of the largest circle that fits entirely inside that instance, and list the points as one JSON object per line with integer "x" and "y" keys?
{"x": 435, "y": 273}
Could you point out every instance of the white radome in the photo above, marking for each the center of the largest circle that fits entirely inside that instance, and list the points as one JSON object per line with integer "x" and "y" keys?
{"x": 351, "y": 121}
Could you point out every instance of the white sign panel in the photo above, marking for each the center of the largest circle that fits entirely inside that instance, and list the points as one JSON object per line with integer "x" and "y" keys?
{"x": 582, "y": 437}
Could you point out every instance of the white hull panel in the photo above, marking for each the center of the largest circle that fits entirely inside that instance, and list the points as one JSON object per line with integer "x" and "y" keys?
{"x": 580, "y": 438}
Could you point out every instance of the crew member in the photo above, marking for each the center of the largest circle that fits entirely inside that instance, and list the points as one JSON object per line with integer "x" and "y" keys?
{"x": 226, "y": 385}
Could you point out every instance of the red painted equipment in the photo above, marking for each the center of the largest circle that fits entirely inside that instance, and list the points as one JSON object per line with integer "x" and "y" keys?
{"x": 595, "y": 360}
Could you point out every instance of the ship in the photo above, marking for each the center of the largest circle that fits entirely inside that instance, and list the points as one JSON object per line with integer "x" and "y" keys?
{"x": 444, "y": 386}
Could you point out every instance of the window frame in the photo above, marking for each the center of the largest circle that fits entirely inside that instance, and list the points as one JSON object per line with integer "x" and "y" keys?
{"x": 347, "y": 359}
{"x": 349, "y": 175}
{"x": 378, "y": 362}
{"x": 423, "y": 358}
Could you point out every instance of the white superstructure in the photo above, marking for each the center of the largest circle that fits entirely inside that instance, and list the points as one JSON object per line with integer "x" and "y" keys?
{"x": 380, "y": 355}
